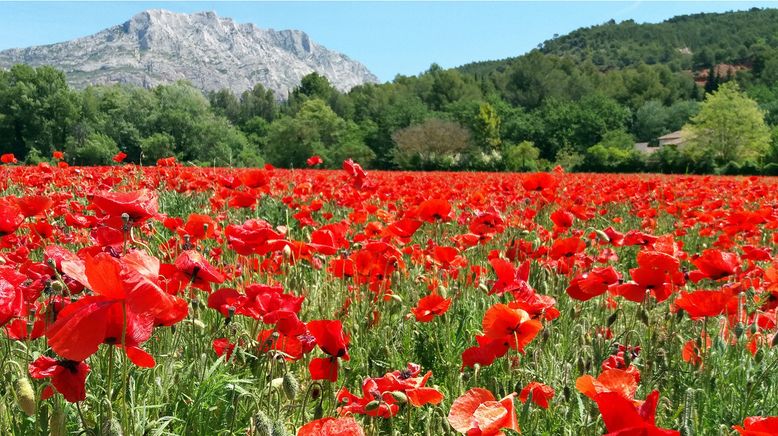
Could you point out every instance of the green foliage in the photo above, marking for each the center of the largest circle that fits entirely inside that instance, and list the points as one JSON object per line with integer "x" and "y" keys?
{"x": 97, "y": 149}
{"x": 157, "y": 146}
{"x": 729, "y": 128}
{"x": 314, "y": 130}
{"x": 521, "y": 157}
{"x": 38, "y": 110}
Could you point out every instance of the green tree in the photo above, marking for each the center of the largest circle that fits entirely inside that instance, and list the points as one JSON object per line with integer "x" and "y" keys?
{"x": 730, "y": 127}
{"x": 314, "y": 130}
{"x": 38, "y": 110}
{"x": 521, "y": 157}
{"x": 97, "y": 149}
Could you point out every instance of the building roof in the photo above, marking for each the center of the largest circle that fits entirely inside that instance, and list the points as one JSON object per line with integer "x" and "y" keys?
{"x": 671, "y": 135}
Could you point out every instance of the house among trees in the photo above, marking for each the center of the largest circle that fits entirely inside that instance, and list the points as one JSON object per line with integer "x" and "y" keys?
{"x": 673, "y": 138}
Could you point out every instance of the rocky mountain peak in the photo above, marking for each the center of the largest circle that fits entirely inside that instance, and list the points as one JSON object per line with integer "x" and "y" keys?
{"x": 158, "y": 46}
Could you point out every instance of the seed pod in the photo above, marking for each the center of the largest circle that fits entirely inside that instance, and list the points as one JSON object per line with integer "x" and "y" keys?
{"x": 372, "y": 405}
{"x": 111, "y": 427}
{"x": 262, "y": 424}
{"x": 315, "y": 392}
{"x": 318, "y": 412}
{"x": 291, "y": 386}
{"x": 774, "y": 341}
{"x": 57, "y": 422}
{"x": 25, "y": 395}
{"x": 279, "y": 429}
{"x": 400, "y": 397}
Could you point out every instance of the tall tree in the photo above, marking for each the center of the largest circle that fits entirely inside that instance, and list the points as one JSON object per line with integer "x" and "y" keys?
{"x": 730, "y": 127}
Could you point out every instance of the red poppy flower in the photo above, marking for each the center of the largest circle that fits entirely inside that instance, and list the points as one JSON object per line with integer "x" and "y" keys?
{"x": 477, "y": 412}
{"x": 33, "y": 205}
{"x": 11, "y": 217}
{"x": 758, "y": 426}
{"x": 196, "y": 268}
{"x": 589, "y": 285}
{"x": 222, "y": 346}
{"x": 58, "y": 155}
{"x": 119, "y": 157}
{"x": 166, "y": 162}
{"x": 541, "y": 394}
{"x": 330, "y": 338}
{"x": 67, "y": 376}
{"x": 433, "y": 210}
{"x": 139, "y": 205}
{"x": 430, "y": 306}
{"x": 562, "y": 219}
{"x": 514, "y": 326}
{"x": 509, "y": 279}
{"x": 617, "y": 381}
{"x": 8, "y": 158}
{"x": 200, "y": 227}
{"x": 567, "y": 247}
{"x": 11, "y": 301}
{"x": 714, "y": 264}
{"x": 343, "y": 426}
{"x": 127, "y": 306}
{"x": 251, "y": 237}
{"x": 314, "y": 160}
{"x": 538, "y": 181}
{"x": 701, "y": 304}
{"x": 622, "y": 417}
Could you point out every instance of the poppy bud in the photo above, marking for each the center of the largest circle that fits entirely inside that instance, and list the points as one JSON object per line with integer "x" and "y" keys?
{"x": 262, "y": 424}
{"x": 111, "y": 427}
{"x": 759, "y": 356}
{"x": 754, "y": 328}
{"x": 287, "y": 250}
{"x": 602, "y": 236}
{"x": 774, "y": 341}
{"x": 57, "y": 286}
{"x": 279, "y": 429}
{"x": 443, "y": 291}
{"x": 57, "y": 422}
{"x": 315, "y": 392}
{"x": 291, "y": 386}
{"x": 25, "y": 395}
{"x": 482, "y": 286}
{"x": 612, "y": 318}
{"x": 399, "y": 397}
{"x": 373, "y": 405}
{"x": 643, "y": 315}
{"x": 318, "y": 412}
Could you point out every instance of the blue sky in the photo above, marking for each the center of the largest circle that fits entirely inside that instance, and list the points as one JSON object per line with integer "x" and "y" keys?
{"x": 388, "y": 37}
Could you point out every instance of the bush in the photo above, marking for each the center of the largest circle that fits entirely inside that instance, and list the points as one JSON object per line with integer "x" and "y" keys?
{"x": 97, "y": 149}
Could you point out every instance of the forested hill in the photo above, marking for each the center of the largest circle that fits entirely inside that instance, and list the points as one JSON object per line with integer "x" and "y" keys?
{"x": 686, "y": 42}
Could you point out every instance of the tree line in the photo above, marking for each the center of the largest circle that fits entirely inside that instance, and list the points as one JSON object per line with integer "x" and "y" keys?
{"x": 551, "y": 106}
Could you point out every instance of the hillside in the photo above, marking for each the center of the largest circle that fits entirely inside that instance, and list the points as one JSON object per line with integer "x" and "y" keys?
{"x": 687, "y": 42}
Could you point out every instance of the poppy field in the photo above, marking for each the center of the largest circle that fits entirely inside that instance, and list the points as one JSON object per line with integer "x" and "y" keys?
{"x": 179, "y": 300}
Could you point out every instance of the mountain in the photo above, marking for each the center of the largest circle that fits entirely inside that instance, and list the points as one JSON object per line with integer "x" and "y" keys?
{"x": 158, "y": 46}
{"x": 686, "y": 42}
